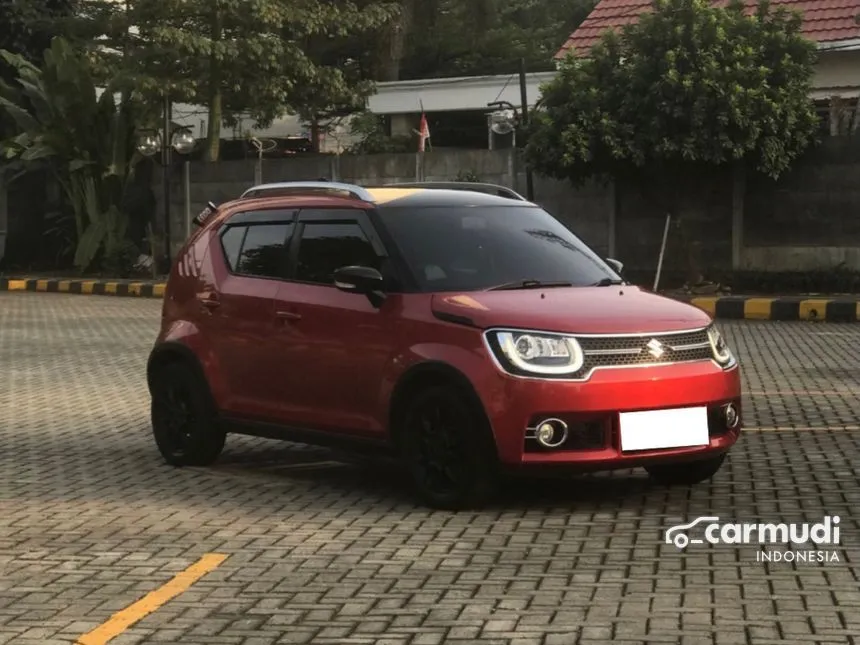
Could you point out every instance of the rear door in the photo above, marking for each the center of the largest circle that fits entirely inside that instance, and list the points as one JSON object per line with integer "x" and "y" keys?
{"x": 254, "y": 260}
{"x": 333, "y": 345}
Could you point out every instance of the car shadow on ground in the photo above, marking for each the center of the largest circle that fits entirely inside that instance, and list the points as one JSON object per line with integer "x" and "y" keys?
{"x": 384, "y": 478}
{"x": 260, "y": 474}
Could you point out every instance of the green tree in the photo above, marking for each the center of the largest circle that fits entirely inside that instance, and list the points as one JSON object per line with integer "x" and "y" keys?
{"x": 475, "y": 37}
{"x": 85, "y": 139}
{"x": 26, "y": 28}
{"x": 236, "y": 58}
{"x": 344, "y": 62}
{"x": 371, "y": 139}
{"x": 687, "y": 89}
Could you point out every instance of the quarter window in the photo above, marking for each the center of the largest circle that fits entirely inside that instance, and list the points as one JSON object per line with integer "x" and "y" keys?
{"x": 328, "y": 246}
{"x": 231, "y": 241}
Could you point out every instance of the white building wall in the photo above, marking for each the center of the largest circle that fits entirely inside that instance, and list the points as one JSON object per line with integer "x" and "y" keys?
{"x": 837, "y": 73}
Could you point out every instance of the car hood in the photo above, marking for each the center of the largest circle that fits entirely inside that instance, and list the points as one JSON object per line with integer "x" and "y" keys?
{"x": 583, "y": 310}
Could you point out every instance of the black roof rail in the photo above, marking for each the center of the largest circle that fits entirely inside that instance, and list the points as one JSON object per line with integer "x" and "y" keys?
{"x": 489, "y": 189}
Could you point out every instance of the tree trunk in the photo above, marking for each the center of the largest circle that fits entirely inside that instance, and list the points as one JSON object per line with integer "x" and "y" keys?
{"x": 393, "y": 44}
{"x": 216, "y": 111}
{"x": 315, "y": 134}
{"x": 213, "y": 130}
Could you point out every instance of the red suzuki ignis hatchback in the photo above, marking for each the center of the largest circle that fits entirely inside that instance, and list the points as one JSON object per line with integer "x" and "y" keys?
{"x": 464, "y": 330}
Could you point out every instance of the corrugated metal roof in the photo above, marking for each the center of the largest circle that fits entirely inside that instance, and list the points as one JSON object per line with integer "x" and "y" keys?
{"x": 824, "y": 21}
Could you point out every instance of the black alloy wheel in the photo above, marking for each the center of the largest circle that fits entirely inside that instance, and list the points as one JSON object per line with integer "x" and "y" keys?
{"x": 448, "y": 449}
{"x": 183, "y": 419}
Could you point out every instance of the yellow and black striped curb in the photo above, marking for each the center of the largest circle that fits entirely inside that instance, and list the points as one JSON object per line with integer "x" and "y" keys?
{"x": 94, "y": 287}
{"x": 786, "y": 308}
{"x": 834, "y": 309}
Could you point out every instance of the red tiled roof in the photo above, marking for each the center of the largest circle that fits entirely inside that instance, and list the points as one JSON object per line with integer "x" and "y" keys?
{"x": 823, "y": 20}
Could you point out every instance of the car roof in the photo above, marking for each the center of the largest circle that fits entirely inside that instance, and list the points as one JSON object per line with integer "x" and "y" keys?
{"x": 421, "y": 197}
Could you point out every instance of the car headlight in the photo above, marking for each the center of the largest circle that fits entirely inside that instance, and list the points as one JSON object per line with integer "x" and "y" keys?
{"x": 722, "y": 354}
{"x": 536, "y": 353}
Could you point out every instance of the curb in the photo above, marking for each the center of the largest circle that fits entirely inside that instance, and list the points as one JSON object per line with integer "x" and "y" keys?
{"x": 86, "y": 287}
{"x": 785, "y": 308}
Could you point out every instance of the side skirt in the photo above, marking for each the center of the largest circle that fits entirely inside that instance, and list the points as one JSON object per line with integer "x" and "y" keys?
{"x": 333, "y": 440}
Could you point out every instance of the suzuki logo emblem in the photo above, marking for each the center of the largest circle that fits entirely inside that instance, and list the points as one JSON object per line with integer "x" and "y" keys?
{"x": 655, "y": 348}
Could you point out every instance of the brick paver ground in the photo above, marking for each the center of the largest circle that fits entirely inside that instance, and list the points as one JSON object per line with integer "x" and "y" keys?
{"x": 91, "y": 519}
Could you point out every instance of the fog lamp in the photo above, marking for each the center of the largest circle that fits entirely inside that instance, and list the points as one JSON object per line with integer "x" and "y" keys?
{"x": 551, "y": 433}
{"x": 732, "y": 416}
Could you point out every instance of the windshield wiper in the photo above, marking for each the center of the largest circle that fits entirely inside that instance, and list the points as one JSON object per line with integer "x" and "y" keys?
{"x": 529, "y": 284}
{"x": 608, "y": 282}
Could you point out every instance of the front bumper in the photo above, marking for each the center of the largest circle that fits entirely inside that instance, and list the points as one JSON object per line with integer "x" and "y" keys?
{"x": 591, "y": 411}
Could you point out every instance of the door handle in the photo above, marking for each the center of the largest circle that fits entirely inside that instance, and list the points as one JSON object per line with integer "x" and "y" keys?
{"x": 288, "y": 315}
{"x": 209, "y": 300}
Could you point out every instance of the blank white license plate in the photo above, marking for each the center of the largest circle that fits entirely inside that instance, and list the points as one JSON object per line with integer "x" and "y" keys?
{"x": 657, "y": 429}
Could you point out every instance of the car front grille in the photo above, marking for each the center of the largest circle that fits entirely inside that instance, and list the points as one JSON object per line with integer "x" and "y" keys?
{"x": 623, "y": 351}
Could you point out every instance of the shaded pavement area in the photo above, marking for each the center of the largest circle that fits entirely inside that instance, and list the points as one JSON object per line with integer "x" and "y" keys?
{"x": 321, "y": 549}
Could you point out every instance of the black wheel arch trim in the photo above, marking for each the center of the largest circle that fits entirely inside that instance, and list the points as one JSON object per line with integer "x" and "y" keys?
{"x": 174, "y": 348}
{"x": 432, "y": 367}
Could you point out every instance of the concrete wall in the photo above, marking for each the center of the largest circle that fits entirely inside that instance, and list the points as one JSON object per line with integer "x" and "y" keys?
{"x": 808, "y": 219}
{"x": 4, "y": 216}
{"x": 585, "y": 211}
{"x": 700, "y": 232}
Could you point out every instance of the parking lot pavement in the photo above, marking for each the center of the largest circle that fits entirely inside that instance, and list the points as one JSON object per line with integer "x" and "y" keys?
{"x": 322, "y": 551}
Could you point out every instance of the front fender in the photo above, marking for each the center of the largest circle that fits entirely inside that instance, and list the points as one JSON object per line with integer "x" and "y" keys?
{"x": 468, "y": 362}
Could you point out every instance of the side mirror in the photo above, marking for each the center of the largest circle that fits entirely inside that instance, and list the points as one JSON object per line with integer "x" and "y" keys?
{"x": 355, "y": 279}
{"x": 617, "y": 266}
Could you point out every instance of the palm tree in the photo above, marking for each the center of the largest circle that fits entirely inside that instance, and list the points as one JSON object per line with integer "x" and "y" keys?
{"x": 83, "y": 137}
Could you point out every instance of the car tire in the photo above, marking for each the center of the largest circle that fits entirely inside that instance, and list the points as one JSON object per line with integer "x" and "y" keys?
{"x": 443, "y": 431}
{"x": 183, "y": 417}
{"x": 687, "y": 473}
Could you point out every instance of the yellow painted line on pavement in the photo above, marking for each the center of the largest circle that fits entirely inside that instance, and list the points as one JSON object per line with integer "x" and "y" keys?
{"x": 41, "y": 285}
{"x": 17, "y": 285}
{"x": 158, "y": 290}
{"x": 63, "y": 286}
{"x": 87, "y": 287}
{"x": 124, "y": 619}
{"x": 758, "y": 308}
{"x": 134, "y": 288}
{"x": 110, "y": 287}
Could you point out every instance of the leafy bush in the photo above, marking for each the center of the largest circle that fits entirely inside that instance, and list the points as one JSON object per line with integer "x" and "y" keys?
{"x": 84, "y": 139}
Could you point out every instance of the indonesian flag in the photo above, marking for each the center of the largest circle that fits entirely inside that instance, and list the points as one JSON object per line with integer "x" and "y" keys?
{"x": 423, "y": 133}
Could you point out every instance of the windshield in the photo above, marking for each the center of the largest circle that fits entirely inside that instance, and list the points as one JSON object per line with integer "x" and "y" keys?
{"x": 476, "y": 248}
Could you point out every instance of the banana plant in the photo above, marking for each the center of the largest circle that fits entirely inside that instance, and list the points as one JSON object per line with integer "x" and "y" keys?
{"x": 82, "y": 136}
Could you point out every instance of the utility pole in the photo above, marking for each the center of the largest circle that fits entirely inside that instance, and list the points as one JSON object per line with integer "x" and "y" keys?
{"x": 524, "y": 110}
{"x": 165, "y": 170}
